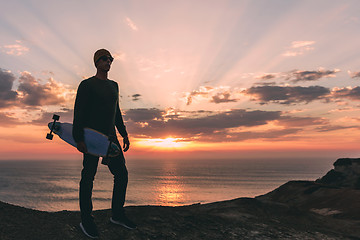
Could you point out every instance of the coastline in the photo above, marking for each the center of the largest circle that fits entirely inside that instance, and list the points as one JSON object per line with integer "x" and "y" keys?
{"x": 242, "y": 218}
{"x": 327, "y": 208}
{"x": 53, "y": 185}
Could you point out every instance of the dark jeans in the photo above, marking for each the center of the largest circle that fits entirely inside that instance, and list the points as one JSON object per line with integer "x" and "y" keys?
{"x": 118, "y": 169}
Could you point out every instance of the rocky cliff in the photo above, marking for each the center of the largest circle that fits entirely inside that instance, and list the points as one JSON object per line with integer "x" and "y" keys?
{"x": 346, "y": 174}
{"x": 295, "y": 210}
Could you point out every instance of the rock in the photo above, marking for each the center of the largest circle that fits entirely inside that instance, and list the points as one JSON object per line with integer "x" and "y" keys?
{"x": 312, "y": 196}
{"x": 346, "y": 174}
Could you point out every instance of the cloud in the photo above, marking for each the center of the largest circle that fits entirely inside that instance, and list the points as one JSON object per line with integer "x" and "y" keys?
{"x": 288, "y": 121}
{"x": 344, "y": 109}
{"x": 296, "y": 76}
{"x": 33, "y": 93}
{"x": 154, "y": 123}
{"x": 34, "y": 117}
{"x": 66, "y": 115}
{"x": 287, "y": 94}
{"x": 221, "y": 94}
{"x": 7, "y": 120}
{"x": 330, "y": 128}
{"x": 223, "y": 97}
{"x": 7, "y": 95}
{"x": 281, "y": 93}
{"x": 298, "y": 48}
{"x": 247, "y": 135}
{"x": 136, "y": 97}
{"x": 352, "y": 93}
{"x": 227, "y": 119}
{"x": 131, "y": 24}
{"x": 16, "y": 49}
{"x": 208, "y": 126}
{"x": 265, "y": 83}
{"x": 203, "y": 91}
{"x": 304, "y": 76}
{"x": 225, "y": 126}
{"x": 354, "y": 74}
{"x": 267, "y": 76}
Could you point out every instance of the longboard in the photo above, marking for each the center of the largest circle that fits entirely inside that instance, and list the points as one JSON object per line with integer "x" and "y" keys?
{"x": 97, "y": 144}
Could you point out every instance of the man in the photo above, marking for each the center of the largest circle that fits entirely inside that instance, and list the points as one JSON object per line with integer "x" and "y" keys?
{"x": 97, "y": 107}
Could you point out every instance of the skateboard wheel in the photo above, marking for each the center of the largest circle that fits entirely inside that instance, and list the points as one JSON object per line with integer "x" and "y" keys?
{"x": 56, "y": 117}
{"x": 49, "y": 136}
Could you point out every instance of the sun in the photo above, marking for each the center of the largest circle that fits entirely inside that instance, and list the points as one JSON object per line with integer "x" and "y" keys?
{"x": 164, "y": 143}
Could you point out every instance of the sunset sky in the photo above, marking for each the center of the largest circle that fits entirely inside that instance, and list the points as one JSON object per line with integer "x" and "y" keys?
{"x": 221, "y": 79}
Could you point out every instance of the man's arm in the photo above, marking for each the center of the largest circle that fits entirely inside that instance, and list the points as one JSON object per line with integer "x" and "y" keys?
{"x": 79, "y": 117}
{"x": 119, "y": 123}
{"x": 120, "y": 126}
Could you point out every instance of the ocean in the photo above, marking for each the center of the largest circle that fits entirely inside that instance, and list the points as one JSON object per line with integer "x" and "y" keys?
{"x": 53, "y": 185}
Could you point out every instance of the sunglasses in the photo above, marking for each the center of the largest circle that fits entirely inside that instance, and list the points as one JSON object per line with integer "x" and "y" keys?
{"x": 105, "y": 58}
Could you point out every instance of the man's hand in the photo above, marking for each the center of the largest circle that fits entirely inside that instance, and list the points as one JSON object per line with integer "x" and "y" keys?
{"x": 81, "y": 146}
{"x": 126, "y": 143}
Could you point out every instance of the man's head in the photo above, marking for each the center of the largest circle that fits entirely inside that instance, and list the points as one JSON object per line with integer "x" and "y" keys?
{"x": 103, "y": 57}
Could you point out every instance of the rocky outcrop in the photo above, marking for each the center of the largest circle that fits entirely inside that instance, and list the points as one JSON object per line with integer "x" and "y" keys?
{"x": 295, "y": 210}
{"x": 340, "y": 203}
{"x": 335, "y": 194}
{"x": 346, "y": 174}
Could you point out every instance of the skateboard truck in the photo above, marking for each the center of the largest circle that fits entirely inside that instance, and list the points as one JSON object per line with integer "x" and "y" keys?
{"x": 50, "y": 135}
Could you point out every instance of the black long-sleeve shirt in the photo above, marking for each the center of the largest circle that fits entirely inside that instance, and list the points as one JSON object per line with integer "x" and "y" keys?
{"x": 96, "y": 106}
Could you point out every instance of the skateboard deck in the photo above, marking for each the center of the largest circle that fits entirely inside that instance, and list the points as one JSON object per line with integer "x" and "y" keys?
{"x": 97, "y": 144}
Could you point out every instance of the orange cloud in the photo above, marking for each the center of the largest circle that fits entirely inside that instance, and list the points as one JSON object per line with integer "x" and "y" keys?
{"x": 33, "y": 93}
